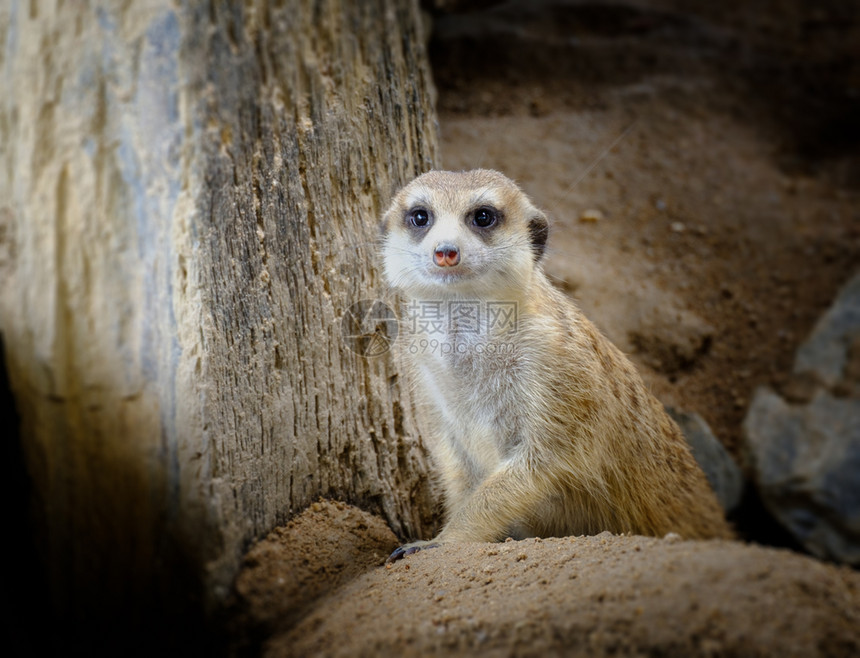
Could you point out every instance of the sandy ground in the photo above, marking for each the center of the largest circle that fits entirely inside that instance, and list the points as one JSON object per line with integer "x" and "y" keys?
{"x": 701, "y": 168}
{"x": 300, "y": 594}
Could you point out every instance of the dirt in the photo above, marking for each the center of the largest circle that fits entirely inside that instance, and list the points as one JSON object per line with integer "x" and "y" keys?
{"x": 323, "y": 548}
{"x": 303, "y": 593}
{"x": 701, "y": 165}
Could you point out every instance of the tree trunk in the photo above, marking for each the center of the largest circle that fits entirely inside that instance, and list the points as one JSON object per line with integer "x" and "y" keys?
{"x": 189, "y": 197}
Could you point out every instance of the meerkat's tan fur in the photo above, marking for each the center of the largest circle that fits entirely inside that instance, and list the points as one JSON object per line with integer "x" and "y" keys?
{"x": 540, "y": 426}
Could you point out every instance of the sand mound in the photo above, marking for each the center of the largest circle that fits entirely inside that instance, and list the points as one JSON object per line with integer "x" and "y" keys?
{"x": 589, "y": 596}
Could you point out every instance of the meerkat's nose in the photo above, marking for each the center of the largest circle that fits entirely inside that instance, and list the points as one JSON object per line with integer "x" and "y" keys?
{"x": 446, "y": 255}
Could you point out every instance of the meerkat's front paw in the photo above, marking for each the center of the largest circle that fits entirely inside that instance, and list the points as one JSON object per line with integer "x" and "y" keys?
{"x": 409, "y": 549}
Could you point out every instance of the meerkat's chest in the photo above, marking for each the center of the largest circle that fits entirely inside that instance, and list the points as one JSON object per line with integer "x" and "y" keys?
{"x": 476, "y": 384}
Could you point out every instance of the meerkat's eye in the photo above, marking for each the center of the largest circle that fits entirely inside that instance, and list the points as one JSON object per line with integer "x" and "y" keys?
{"x": 419, "y": 217}
{"x": 484, "y": 217}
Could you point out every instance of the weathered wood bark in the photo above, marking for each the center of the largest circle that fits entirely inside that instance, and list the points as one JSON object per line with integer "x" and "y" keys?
{"x": 188, "y": 205}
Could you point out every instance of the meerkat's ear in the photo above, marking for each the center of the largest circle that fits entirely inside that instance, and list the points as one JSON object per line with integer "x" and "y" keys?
{"x": 538, "y": 232}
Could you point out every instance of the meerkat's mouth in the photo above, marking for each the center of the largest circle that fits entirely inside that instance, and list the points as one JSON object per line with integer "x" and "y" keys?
{"x": 449, "y": 275}
{"x": 449, "y": 281}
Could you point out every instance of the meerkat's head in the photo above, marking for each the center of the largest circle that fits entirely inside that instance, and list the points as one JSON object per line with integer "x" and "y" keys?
{"x": 462, "y": 233}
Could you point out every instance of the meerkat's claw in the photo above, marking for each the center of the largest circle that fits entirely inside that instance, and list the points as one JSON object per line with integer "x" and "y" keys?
{"x": 409, "y": 549}
{"x": 398, "y": 554}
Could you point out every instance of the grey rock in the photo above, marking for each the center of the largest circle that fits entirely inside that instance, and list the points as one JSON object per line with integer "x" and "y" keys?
{"x": 721, "y": 470}
{"x": 804, "y": 453}
{"x": 806, "y": 463}
{"x": 831, "y": 352}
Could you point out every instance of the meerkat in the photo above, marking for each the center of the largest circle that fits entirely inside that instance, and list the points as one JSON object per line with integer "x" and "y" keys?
{"x": 540, "y": 427}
